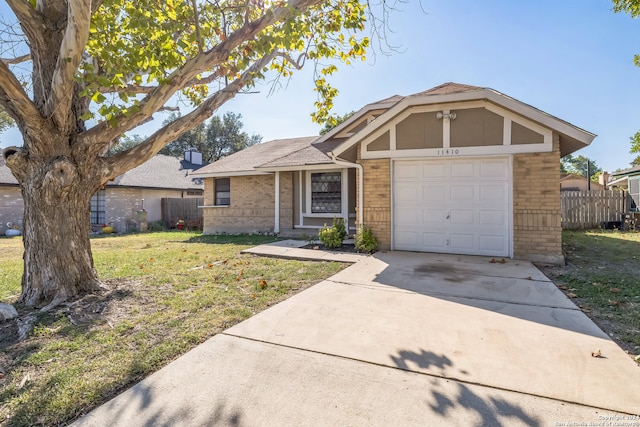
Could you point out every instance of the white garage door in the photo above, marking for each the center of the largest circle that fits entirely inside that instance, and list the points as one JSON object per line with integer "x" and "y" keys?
{"x": 456, "y": 206}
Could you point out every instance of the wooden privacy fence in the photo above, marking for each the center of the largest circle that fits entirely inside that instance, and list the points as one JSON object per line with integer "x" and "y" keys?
{"x": 175, "y": 209}
{"x": 590, "y": 209}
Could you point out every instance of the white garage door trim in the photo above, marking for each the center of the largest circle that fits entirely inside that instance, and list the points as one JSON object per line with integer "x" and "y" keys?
{"x": 454, "y": 239}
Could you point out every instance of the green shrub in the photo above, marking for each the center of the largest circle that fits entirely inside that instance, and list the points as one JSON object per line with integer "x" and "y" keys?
{"x": 330, "y": 236}
{"x": 338, "y": 224}
{"x": 365, "y": 241}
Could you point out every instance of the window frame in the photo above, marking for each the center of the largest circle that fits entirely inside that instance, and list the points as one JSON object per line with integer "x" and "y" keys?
{"x": 98, "y": 200}
{"x": 218, "y": 200}
{"x": 309, "y": 193}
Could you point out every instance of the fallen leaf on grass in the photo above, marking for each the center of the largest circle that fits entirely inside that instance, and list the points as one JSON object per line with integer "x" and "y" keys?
{"x": 595, "y": 284}
{"x": 24, "y": 381}
{"x": 614, "y": 303}
{"x": 152, "y": 259}
{"x": 614, "y": 290}
{"x": 572, "y": 295}
{"x": 563, "y": 287}
{"x": 263, "y": 283}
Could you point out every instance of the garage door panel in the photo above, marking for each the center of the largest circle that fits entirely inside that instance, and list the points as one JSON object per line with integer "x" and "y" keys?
{"x": 434, "y": 217}
{"x": 434, "y": 193}
{"x": 462, "y": 194}
{"x": 434, "y": 241}
{"x": 462, "y": 170}
{"x": 435, "y": 170}
{"x": 406, "y": 193}
{"x": 462, "y": 243}
{"x": 453, "y": 205}
{"x": 492, "y": 193}
{"x": 492, "y": 218}
{"x": 409, "y": 171}
{"x": 462, "y": 217}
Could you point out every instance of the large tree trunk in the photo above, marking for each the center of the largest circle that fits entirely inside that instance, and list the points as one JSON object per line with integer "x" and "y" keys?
{"x": 58, "y": 264}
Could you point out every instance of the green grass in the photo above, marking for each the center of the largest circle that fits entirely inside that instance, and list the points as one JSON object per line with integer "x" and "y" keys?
{"x": 603, "y": 276}
{"x": 168, "y": 292}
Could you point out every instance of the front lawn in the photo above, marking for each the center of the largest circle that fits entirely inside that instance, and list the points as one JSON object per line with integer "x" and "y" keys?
{"x": 602, "y": 276}
{"x": 167, "y": 293}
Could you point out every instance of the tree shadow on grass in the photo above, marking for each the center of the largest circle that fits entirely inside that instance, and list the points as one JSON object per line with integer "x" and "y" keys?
{"x": 450, "y": 398}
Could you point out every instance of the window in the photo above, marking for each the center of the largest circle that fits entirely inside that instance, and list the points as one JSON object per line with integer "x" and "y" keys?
{"x": 97, "y": 208}
{"x": 223, "y": 192}
{"x": 634, "y": 192}
{"x": 326, "y": 192}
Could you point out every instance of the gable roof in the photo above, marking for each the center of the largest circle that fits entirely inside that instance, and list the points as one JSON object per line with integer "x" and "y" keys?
{"x": 247, "y": 161}
{"x": 160, "y": 171}
{"x": 629, "y": 171}
{"x": 447, "y": 88}
{"x": 6, "y": 177}
{"x": 572, "y": 138}
{"x": 293, "y": 153}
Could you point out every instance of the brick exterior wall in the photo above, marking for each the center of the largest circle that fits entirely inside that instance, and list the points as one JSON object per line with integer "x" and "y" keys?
{"x": 252, "y": 205}
{"x": 11, "y": 206}
{"x": 537, "y": 231}
{"x": 377, "y": 199}
{"x": 121, "y": 207}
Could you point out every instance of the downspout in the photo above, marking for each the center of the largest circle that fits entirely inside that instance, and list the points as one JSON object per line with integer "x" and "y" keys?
{"x": 276, "y": 226}
{"x": 360, "y": 183}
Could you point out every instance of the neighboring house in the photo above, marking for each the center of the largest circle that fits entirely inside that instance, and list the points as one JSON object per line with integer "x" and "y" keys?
{"x": 11, "y": 205}
{"x": 119, "y": 202}
{"x": 455, "y": 169}
{"x": 628, "y": 180}
{"x": 575, "y": 182}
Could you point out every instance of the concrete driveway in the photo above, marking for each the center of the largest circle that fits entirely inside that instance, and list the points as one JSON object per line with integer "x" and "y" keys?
{"x": 399, "y": 339}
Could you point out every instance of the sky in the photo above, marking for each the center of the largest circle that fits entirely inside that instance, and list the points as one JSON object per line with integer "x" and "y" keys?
{"x": 571, "y": 58}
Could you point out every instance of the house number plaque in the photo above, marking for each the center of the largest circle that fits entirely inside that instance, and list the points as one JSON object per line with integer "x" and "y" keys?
{"x": 448, "y": 152}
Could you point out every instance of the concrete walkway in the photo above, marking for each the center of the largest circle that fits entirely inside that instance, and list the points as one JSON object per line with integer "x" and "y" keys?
{"x": 293, "y": 249}
{"x": 399, "y": 339}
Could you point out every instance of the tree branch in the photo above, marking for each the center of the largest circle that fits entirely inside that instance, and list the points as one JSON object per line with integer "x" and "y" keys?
{"x": 15, "y": 100}
{"x": 17, "y": 60}
{"x": 73, "y": 44}
{"x": 30, "y": 19}
{"x": 196, "y": 18}
{"x": 296, "y": 64}
{"x": 126, "y": 160}
{"x": 179, "y": 79}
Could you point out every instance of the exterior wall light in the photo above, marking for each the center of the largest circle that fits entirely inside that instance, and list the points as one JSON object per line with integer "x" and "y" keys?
{"x": 445, "y": 116}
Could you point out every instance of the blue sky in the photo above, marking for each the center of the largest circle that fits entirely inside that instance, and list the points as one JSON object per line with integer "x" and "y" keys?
{"x": 570, "y": 58}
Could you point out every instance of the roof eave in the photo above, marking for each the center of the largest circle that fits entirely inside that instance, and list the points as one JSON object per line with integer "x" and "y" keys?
{"x": 354, "y": 118}
{"x": 313, "y": 166}
{"x": 226, "y": 174}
